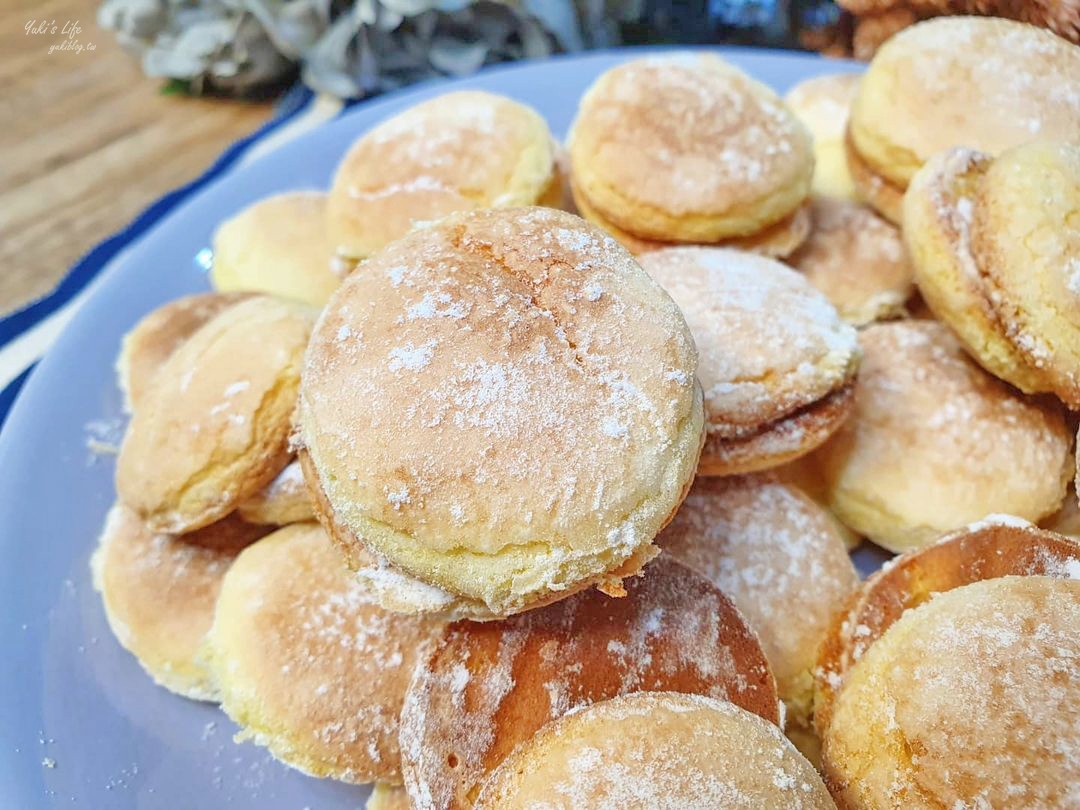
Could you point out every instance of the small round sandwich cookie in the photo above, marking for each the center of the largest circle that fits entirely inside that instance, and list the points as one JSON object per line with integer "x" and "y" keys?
{"x": 213, "y": 429}
{"x": 935, "y": 442}
{"x": 985, "y": 83}
{"x": 970, "y": 700}
{"x": 822, "y": 104}
{"x": 994, "y": 247}
{"x": 777, "y": 363}
{"x": 858, "y": 260}
{"x": 687, "y": 148}
{"x": 307, "y": 666}
{"x": 159, "y": 593}
{"x": 502, "y": 405}
{"x": 998, "y": 546}
{"x": 278, "y": 246}
{"x": 661, "y": 750}
{"x": 457, "y": 152}
{"x": 777, "y": 554}
{"x": 154, "y": 338}
{"x": 284, "y": 500}
{"x": 486, "y": 688}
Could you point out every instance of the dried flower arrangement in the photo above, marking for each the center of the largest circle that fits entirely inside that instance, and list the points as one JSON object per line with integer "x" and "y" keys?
{"x": 349, "y": 48}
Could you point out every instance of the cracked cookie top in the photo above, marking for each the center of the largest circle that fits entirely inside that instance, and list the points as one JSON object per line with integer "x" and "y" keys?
{"x": 503, "y": 405}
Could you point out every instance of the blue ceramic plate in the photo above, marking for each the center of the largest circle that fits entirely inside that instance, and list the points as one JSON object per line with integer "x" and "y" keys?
{"x": 81, "y": 725}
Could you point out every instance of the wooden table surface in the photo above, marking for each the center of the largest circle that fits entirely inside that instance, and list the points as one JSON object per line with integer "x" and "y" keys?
{"x": 87, "y": 142}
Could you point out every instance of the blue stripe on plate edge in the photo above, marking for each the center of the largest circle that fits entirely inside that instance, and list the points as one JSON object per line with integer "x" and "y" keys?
{"x": 87, "y": 268}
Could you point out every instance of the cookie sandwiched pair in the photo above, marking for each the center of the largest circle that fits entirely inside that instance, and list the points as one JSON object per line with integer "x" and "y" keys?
{"x": 951, "y": 678}
{"x": 689, "y": 149}
{"x": 934, "y": 442}
{"x": 204, "y": 470}
{"x": 776, "y": 362}
{"x": 501, "y": 407}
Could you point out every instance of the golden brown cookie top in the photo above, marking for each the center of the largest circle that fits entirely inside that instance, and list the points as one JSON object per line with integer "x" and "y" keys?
{"x": 157, "y": 335}
{"x": 857, "y": 259}
{"x": 456, "y": 152}
{"x": 686, "y": 147}
{"x": 935, "y": 442}
{"x": 997, "y": 546}
{"x": 308, "y": 666}
{"x": 777, "y": 554}
{"x": 502, "y": 404}
{"x": 979, "y": 82}
{"x": 278, "y": 245}
{"x": 768, "y": 342}
{"x": 160, "y": 591}
{"x": 969, "y": 699}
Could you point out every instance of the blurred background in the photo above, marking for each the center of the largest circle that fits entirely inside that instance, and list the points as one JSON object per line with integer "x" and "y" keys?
{"x": 361, "y": 47}
{"x": 354, "y": 48}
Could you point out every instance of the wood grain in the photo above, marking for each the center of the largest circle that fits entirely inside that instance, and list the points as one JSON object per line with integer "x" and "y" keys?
{"x": 87, "y": 142}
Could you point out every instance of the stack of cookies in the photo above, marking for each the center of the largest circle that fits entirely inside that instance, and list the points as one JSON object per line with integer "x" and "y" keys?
{"x": 447, "y": 489}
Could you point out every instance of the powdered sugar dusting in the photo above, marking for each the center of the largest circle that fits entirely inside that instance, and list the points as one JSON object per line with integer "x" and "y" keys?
{"x": 997, "y": 546}
{"x": 399, "y": 591}
{"x": 769, "y": 342}
{"x": 708, "y": 139}
{"x": 103, "y": 437}
{"x": 857, "y": 260}
{"x": 329, "y": 666}
{"x": 777, "y": 554}
{"x": 160, "y": 592}
{"x": 502, "y": 397}
{"x": 949, "y": 195}
{"x": 672, "y": 631}
{"x": 438, "y": 305}
{"x": 456, "y": 152}
{"x": 922, "y": 403}
{"x": 985, "y": 691}
{"x": 1022, "y": 82}
{"x": 399, "y": 497}
{"x": 663, "y": 751}
{"x": 410, "y": 357}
